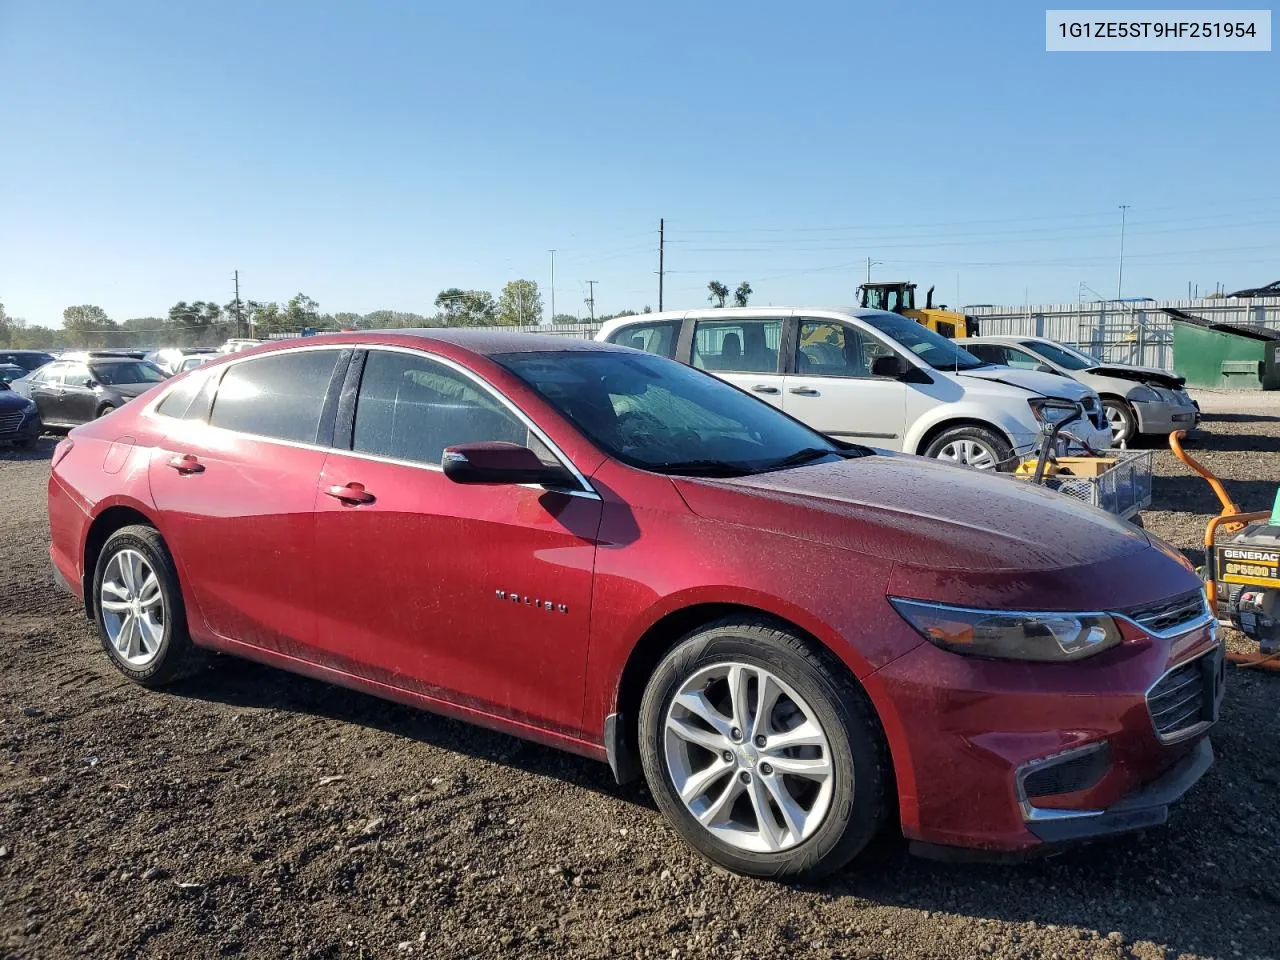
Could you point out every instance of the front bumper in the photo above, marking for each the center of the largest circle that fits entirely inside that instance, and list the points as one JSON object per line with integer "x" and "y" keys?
{"x": 1157, "y": 416}
{"x": 964, "y": 732}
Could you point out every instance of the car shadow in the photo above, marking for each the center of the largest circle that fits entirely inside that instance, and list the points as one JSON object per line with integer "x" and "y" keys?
{"x": 41, "y": 449}
{"x": 244, "y": 683}
{"x": 1192, "y": 494}
{"x": 1238, "y": 418}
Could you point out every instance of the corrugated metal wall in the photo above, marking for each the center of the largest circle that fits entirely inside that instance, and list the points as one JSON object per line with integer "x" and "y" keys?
{"x": 1120, "y": 332}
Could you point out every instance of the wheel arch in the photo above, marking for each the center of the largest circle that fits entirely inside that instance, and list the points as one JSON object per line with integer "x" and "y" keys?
{"x": 106, "y": 522}
{"x": 937, "y": 429}
{"x": 621, "y": 726}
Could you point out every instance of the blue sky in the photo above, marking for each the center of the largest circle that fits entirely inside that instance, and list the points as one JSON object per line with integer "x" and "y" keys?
{"x": 371, "y": 154}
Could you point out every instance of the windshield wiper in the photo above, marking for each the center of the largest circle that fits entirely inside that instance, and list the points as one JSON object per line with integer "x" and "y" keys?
{"x": 804, "y": 455}
{"x": 702, "y": 468}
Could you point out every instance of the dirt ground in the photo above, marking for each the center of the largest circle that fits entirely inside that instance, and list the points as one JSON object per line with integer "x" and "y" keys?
{"x": 251, "y": 813}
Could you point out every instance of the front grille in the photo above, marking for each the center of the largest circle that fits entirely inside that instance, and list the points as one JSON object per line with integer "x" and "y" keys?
{"x": 9, "y": 421}
{"x": 1076, "y": 771}
{"x": 1169, "y": 616}
{"x": 1187, "y": 696}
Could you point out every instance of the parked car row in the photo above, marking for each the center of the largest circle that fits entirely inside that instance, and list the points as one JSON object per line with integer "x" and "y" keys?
{"x": 870, "y": 376}
{"x": 794, "y": 638}
{"x": 83, "y": 387}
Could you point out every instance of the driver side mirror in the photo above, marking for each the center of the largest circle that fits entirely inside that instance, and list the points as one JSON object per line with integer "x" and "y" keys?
{"x": 889, "y": 365}
{"x": 91, "y": 384}
{"x": 501, "y": 463}
{"x": 1045, "y": 368}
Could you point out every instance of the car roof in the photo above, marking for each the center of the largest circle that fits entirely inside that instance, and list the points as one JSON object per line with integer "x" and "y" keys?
{"x": 485, "y": 342}
{"x": 728, "y": 313}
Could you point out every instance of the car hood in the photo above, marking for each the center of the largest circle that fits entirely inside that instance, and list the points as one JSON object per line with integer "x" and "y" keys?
{"x": 919, "y": 512}
{"x": 1033, "y": 381}
{"x": 1151, "y": 375}
{"x": 12, "y": 400}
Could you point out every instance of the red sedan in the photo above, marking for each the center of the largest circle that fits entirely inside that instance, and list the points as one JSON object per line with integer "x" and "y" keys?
{"x": 794, "y": 639}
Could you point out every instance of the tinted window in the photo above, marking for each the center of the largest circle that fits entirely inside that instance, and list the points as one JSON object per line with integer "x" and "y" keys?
{"x": 177, "y": 400}
{"x": 743, "y": 346}
{"x": 659, "y": 338}
{"x": 1064, "y": 357}
{"x": 660, "y": 415}
{"x": 75, "y": 375}
{"x": 27, "y": 361}
{"x": 986, "y": 352}
{"x": 127, "y": 371}
{"x": 830, "y": 349}
{"x": 935, "y": 350}
{"x": 411, "y": 408}
{"x": 279, "y": 396}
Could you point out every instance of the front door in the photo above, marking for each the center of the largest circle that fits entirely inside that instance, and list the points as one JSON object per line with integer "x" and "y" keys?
{"x": 236, "y": 495}
{"x": 479, "y": 595}
{"x": 46, "y": 390}
{"x": 743, "y": 351}
{"x": 832, "y": 388}
{"x": 78, "y": 401}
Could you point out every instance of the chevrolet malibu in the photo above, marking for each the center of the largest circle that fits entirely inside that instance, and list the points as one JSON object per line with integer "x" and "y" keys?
{"x": 794, "y": 640}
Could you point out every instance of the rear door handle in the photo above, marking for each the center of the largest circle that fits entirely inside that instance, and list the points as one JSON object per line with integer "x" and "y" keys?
{"x": 186, "y": 463}
{"x": 761, "y": 388}
{"x": 353, "y": 493}
{"x": 804, "y": 391}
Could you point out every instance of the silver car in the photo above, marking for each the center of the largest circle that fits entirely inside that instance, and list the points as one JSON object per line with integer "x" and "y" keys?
{"x": 1136, "y": 399}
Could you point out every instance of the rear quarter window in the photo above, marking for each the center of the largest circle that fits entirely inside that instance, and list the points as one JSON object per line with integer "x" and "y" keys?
{"x": 658, "y": 338}
{"x": 280, "y": 396}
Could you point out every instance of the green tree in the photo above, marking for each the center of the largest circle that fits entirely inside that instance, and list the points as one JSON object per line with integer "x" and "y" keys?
{"x": 88, "y": 325}
{"x": 520, "y": 303}
{"x": 195, "y": 324}
{"x": 719, "y": 293}
{"x": 561, "y": 319}
{"x": 392, "y": 319}
{"x": 299, "y": 312}
{"x": 466, "y": 308}
{"x": 264, "y": 318}
{"x": 742, "y": 294}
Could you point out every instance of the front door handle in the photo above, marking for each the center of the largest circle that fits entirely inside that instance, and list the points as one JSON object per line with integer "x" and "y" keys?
{"x": 761, "y": 388}
{"x": 804, "y": 391}
{"x": 186, "y": 463}
{"x": 353, "y": 493}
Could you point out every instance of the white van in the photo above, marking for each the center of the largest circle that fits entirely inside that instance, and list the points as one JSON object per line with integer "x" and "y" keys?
{"x": 868, "y": 376}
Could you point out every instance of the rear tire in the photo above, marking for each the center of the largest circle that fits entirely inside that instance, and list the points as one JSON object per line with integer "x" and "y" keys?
{"x": 1122, "y": 420}
{"x": 971, "y": 446}
{"x": 138, "y": 609}
{"x": 829, "y": 802}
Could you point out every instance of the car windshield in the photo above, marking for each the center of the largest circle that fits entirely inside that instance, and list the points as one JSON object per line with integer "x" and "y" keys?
{"x": 127, "y": 371}
{"x": 660, "y": 415}
{"x": 1062, "y": 355}
{"x": 933, "y": 348}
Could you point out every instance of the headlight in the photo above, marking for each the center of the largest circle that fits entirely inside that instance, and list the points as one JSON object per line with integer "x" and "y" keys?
{"x": 1053, "y": 410}
{"x": 1045, "y": 637}
{"x": 1143, "y": 393}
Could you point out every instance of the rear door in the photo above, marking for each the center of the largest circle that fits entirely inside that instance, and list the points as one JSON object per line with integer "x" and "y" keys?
{"x": 745, "y": 351}
{"x": 235, "y": 480}
{"x": 833, "y": 390}
{"x": 475, "y": 594}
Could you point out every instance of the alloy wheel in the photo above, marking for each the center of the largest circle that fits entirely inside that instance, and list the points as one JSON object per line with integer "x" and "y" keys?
{"x": 971, "y": 453}
{"x": 1117, "y": 421}
{"x": 133, "y": 608}
{"x": 748, "y": 757}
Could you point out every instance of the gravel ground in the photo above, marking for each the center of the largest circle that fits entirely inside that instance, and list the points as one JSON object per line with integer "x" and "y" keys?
{"x": 248, "y": 812}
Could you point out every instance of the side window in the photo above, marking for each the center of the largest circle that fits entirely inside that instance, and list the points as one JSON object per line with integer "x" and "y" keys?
{"x": 986, "y": 352}
{"x": 659, "y": 338}
{"x": 1020, "y": 359}
{"x": 279, "y": 396}
{"x": 46, "y": 374}
{"x": 826, "y": 348}
{"x": 177, "y": 400}
{"x": 737, "y": 346}
{"x": 76, "y": 375}
{"x": 411, "y": 408}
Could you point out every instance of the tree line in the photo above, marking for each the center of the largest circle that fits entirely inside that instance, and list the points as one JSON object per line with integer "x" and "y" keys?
{"x": 206, "y": 323}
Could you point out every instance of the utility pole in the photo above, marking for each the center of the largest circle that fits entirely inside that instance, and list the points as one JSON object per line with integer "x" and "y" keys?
{"x": 553, "y": 285}
{"x": 591, "y": 298}
{"x": 661, "y": 251}
{"x": 238, "y": 311}
{"x": 871, "y": 263}
{"x": 1124, "y": 209}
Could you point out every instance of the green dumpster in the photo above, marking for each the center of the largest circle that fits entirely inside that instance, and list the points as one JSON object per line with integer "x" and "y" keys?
{"x": 1224, "y": 356}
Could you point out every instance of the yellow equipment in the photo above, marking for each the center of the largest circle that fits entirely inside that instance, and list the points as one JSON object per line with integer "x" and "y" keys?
{"x": 900, "y": 297}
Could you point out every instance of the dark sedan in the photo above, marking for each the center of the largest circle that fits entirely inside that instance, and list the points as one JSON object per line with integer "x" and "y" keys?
{"x": 19, "y": 419}
{"x": 71, "y": 392}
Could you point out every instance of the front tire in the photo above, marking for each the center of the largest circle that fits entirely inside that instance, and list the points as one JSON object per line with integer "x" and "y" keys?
{"x": 138, "y": 609}
{"x": 762, "y": 751}
{"x": 105, "y": 409}
{"x": 1121, "y": 419}
{"x": 971, "y": 446}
